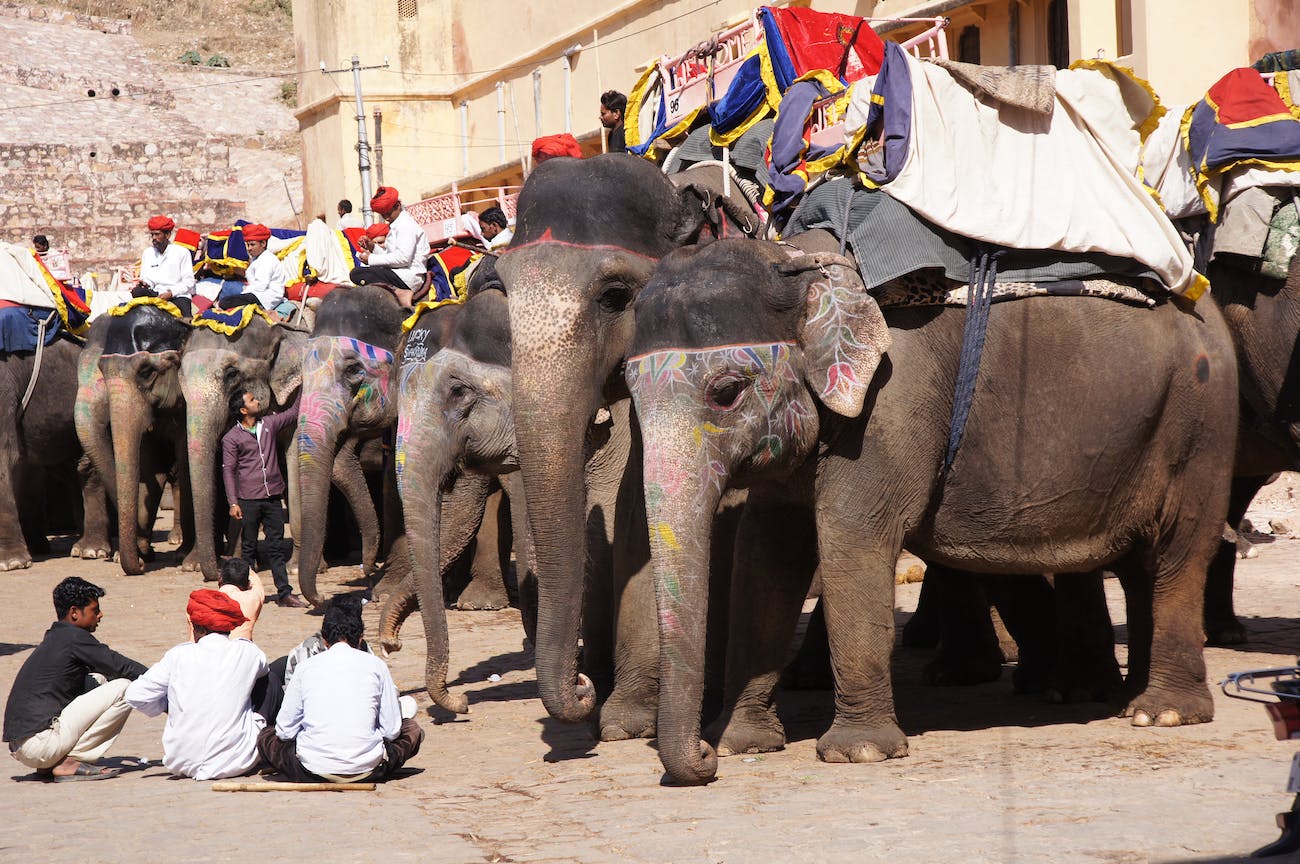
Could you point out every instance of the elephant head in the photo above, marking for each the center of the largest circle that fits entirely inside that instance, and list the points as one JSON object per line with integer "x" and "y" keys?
{"x": 347, "y": 394}
{"x": 736, "y": 345}
{"x": 587, "y": 237}
{"x": 261, "y": 358}
{"x": 455, "y": 416}
{"x": 140, "y": 365}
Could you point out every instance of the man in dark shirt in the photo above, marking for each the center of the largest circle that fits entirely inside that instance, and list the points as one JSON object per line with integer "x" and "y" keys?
{"x": 52, "y": 723}
{"x": 250, "y": 468}
{"x": 612, "y": 106}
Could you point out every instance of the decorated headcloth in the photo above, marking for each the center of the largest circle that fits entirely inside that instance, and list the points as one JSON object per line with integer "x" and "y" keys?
{"x": 214, "y": 610}
{"x": 384, "y": 201}
{"x": 563, "y": 144}
{"x": 257, "y": 231}
{"x": 379, "y": 229}
{"x": 161, "y": 223}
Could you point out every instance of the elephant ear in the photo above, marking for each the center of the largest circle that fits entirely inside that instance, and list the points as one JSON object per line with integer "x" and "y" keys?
{"x": 286, "y": 365}
{"x": 696, "y": 209}
{"x": 844, "y": 334}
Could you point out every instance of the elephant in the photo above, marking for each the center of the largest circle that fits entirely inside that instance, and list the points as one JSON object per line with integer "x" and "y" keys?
{"x": 262, "y": 358}
{"x": 130, "y": 418}
{"x": 751, "y": 367}
{"x": 588, "y": 234}
{"x": 43, "y": 434}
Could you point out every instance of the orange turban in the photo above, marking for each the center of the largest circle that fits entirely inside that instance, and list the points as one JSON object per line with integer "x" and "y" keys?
{"x": 384, "y": 201}
{"x": 563, "y": 144}
{"x": 161, "y": 223}
{"x": 379, "y": 229}
{"x": 214, "y": 610}
{"x": 257, "y": 231}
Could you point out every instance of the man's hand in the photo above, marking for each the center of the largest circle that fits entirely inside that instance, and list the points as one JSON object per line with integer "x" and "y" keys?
{"x": 236, "y": 512}
{"x": 166, "y": 295}
{"x": 364, "y": 256}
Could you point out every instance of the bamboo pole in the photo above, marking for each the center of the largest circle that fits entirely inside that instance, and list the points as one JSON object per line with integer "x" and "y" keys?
{"x": 280, "y": 786}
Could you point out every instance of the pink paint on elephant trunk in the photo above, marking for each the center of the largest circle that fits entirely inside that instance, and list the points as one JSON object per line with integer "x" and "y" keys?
{"x": 321, "y": 420}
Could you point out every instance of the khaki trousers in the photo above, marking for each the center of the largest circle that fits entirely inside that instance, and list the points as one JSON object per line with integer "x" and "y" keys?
{"x": 85, "y": 730}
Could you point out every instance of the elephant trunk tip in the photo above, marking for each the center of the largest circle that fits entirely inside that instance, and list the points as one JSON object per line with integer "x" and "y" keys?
{"x": 691, "y": 766}
{"x": 312, "y": 597}
{"x": 573, "y": 703}
{"x": 456, "y": 703}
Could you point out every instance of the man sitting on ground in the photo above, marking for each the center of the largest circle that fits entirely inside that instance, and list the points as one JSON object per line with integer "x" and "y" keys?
{"x": 399, "y": 265}
{"x": 235, "y": 581}
{"x": 266, "y": 276}
{"x": 205, "y": 686}
{"x": 52, "y": 723}
{"x": 341, "y": 720}
{"x": 315, "y": 644}
{"x": 166, "y": 269}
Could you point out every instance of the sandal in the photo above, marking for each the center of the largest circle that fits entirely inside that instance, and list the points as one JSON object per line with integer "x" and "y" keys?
{"x": 87, "y": 772}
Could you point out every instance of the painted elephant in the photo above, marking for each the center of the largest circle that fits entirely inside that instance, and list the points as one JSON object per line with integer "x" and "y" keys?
{"x": 750, "y": 367}
{"x": 262, "y": 358}
{"x": 587, "y": 236}
{"x": 43, "y": 433}
{"x": 130, "y": 418}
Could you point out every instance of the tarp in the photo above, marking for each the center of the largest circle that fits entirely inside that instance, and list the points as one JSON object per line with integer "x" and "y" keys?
{"x": 20, "y": 327}
{"x": 25, "y": 281}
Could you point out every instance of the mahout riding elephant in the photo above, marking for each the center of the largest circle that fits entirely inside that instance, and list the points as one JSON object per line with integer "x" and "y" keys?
{"x": 1096, "y": 439}
{"x": 38, "y": 435}
{"x": 130, "y": 418}
{"x": 455, "y": 428}
{"x": 588, "y": 234}
{"x": 261, "y": 358}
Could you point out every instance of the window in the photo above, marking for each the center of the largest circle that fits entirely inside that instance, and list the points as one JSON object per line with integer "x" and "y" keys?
{"x": 1058, "y": 34}
{"x": 408, "y": 8}
{"x": 968, "y": 45}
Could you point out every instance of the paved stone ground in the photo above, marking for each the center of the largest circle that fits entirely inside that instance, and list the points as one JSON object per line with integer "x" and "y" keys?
{"x": 992, "y": 777}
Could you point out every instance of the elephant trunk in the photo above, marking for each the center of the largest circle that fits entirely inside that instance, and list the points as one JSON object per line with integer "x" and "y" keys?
{"x": 205, "y": 421}
{"x": 321, "y": 421}
{"x": 551, "y": 458}
{"x": 130, "y": 418}
{"x": 91, "y": 419}
{"x": 681, "y": 497}
{"x": 399, "y": 606}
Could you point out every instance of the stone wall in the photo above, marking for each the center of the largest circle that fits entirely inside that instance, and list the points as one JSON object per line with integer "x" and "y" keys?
{"x": 113, "y": 26}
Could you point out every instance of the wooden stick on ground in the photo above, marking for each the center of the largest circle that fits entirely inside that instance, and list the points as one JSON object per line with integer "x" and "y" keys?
{"x": 279, "y": 786}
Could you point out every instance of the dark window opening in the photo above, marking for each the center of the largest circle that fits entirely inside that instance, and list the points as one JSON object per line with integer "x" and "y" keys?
{"x": 968, "y": 45}
{"x": 1058, "y": 34}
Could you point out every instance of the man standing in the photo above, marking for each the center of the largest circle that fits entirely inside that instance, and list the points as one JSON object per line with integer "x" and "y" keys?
{"x": 205, "y": 685}
{"x": 52, "y": 723}
{"x": 341, "y": 720}
{"x": 612, "y": 106}
{"x": 166, "y": 270}
{"x": 250, "y": 469}
{"x": 399, "y": 265}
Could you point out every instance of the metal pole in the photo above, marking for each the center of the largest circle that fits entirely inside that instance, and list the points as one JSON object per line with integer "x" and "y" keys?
{"x": 464, "y": 137}
{"x": 537, "y": 101}
{"x": 568, "y": 95}
{"x": 363, "y": 146}
{"x": 524, "y": 155}
{"x": 379, "y": 146}
{"x": 501, "y": 123}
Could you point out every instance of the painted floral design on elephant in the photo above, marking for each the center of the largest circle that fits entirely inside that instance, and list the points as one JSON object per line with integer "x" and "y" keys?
{"x": 326, "y": 401}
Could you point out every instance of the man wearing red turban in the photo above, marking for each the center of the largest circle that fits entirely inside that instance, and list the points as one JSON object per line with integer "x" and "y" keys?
{"x": 166, "y": 269}
{"x": 208, "y": 687}
{"x": 265, "y": 276}
{"x": 399, "y": 263}
{"x": 550, "y": 146}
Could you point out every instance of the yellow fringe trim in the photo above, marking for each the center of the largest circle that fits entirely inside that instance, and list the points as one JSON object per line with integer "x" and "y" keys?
{"x": 165, "y": 305}
{"x": 248, "y": 312}
{"x": 426, "y": 305}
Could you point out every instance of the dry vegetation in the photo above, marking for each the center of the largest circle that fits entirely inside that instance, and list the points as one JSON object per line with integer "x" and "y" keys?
{"x": 249, "y": 34}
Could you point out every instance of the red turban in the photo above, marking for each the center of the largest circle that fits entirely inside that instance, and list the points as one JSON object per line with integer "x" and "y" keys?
{"x": 379, "y": 229}
{"x": 384, "y": 201}
{"x": 257, "y": 231}
{"x": 215, "y": 611}
{"x": 563, "y": 144}
{"x": 161, "y": 223}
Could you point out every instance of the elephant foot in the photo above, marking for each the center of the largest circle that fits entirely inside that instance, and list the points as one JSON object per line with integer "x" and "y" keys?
{"x": 483, "y": 594}
{"x": 16, "y": 562}
{"x": 845, "y": 742}
{"x": 1075, "y": 682}
{"x": 1224, "y": 632}
{"x": 963, "y": 669}
{"x": 623, "y": 717}
{"x": 1157, "y": 707}
{"x": 1031, "y": 677}
{"x": 92, "y": 549}
{"x": 191, "y": 563}
{"x": 747, "y": 732}
{"x": 176, "y": 536}
{"x": 292, "y": 566}
{"x": 38, "y": 544}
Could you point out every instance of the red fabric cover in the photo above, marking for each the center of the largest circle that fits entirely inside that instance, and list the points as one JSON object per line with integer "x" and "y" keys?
{"x": 1242, "y": 95}
{"x": 454, "y": 257}
{"x": 200, "y": 303}
{"x": 187, "y": 238}
{"x": 216, "y": 611}
{"x": 385, "y": 200}
{"x": 161, "y": 223}
{"x": 563, "y": 144}
{"x": 317, "y": 289}
{"x": 257, "y": 231}
{"x": 354, "y": 236}
{"x": 843, "y": 44}
{"x": 379, "y": 229}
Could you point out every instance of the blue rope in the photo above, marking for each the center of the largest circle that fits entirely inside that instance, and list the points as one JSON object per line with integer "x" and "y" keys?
{"x": 984, "y": 274}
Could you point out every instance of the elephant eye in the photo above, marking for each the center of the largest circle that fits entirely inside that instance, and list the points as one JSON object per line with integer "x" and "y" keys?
{"x": 615, "y": 297}
{"x": 459, "y": 395}
{"x": 724, "y": 392}
{"x": 353, "y": 372}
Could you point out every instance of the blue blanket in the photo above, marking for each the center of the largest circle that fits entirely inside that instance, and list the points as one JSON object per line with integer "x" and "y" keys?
{"x": 19, "y": 326}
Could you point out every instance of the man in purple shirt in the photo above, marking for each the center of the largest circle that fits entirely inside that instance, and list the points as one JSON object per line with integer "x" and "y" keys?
{"x": 250, "y": 458}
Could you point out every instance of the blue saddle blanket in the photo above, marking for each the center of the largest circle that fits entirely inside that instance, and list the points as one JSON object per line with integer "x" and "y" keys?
{"x": 19, "y": 326}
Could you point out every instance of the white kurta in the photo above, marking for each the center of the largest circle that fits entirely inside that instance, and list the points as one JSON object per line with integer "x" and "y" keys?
{"x": 205, "y": 688}
{"x": 341, "y": 705}
{"x": 404, "y": 251}
{"x": 266, "y": 278}
{"x": 172, "y": 270}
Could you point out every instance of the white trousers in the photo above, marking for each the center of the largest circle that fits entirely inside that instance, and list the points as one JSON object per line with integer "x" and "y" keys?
{"x": 85, "y": 730}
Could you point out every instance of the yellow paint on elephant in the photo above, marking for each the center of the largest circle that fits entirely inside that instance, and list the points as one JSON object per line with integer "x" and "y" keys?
{"x": 666, "y": 536}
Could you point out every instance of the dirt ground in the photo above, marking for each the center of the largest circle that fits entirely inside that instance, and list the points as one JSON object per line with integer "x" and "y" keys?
{"x": 992, "y": 777}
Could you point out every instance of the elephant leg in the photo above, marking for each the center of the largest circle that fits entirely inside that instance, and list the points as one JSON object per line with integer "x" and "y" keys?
{"x": 811, "y": 667}
{"x": 1221, "y": 624}
{"x": 94, "y": 541}
{"x": 775, "y": 558}
{"x": 525, "y": 559}
{"x": 924, "y": 629}
{"x": 13, "y": 549}
{"x": 33, "y": 485}
{"x": 349, "y": 478}
{"x": 152, "y": 487}
{"x": 968, "y": 648}
{"x": 176, "y": 536}
{"x": 1027, "y": 606}
{"x": 486, "y": 588}
{"x": 183, "y": 511}
{"x": 1086, "y": 669}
